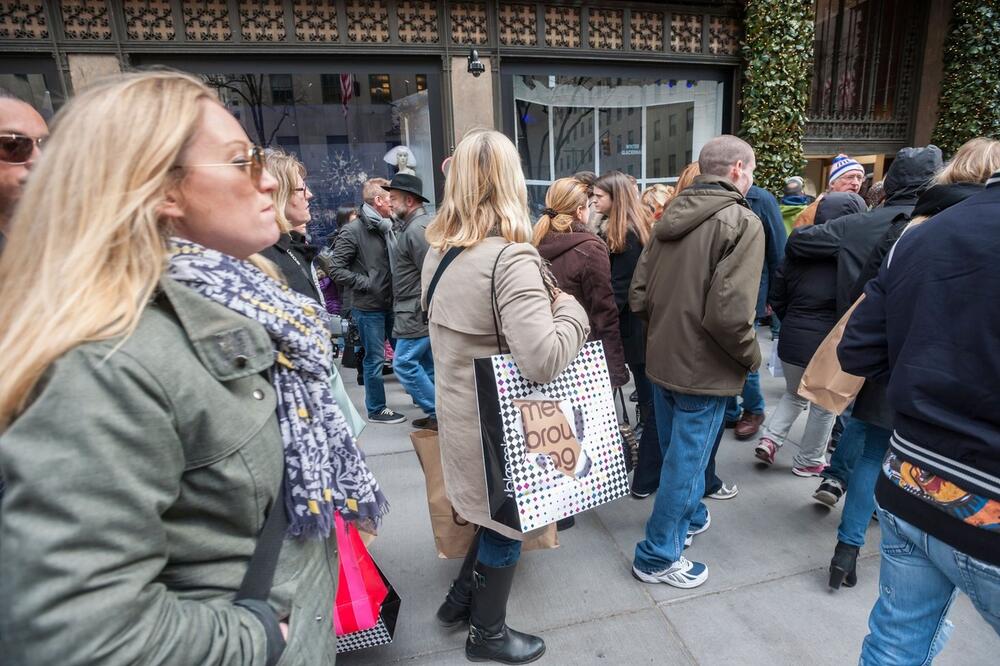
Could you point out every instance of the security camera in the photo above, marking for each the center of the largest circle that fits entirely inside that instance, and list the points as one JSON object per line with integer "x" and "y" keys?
{"x": 476, "y": 66}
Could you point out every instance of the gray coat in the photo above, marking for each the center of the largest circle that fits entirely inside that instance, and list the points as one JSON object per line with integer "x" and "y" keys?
{"x": 411, "y": 248}
{"x": 138, "y": 480}
{"x": 360, "y": 262}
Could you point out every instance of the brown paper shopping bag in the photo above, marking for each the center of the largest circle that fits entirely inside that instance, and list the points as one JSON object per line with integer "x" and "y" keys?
{"x": 824, "y": 382}
{"x": 452, "y": 534}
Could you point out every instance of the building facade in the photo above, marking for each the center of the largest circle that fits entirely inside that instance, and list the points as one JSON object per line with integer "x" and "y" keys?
{"x": 362, "y": 88}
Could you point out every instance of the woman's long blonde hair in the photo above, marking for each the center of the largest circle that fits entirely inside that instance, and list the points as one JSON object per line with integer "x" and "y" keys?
{"x": 656, "y": 197}
{"x": 87, "y": 245}
{"x": 484, "y": 194}
{"x": 563, "y": 198}
{"x": 287, "y": 170}
{"x": 626, "y": 211}
{"x": 974, "y": 162}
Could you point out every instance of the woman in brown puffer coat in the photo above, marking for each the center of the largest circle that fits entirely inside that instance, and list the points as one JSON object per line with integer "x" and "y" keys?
{"x": 579, "y": 260}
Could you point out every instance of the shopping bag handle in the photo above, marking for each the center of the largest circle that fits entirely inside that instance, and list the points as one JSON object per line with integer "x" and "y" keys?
{"x": 621, "y": 395}
{"x": 494, "y": 303}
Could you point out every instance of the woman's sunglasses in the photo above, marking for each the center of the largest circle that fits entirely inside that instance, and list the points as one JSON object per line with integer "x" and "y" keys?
{"x": 254, "y": 159}
{"x": 17, "y": 148}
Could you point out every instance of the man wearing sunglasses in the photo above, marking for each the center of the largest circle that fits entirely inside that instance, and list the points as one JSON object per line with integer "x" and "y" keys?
{"x": 22, "y": 131}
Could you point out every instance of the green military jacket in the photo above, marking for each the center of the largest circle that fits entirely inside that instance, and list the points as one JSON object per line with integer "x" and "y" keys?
{"x": 137, "y": 482}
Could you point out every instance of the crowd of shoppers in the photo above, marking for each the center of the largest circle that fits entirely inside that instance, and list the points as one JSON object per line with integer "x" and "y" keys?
{"x": 194, "y": 368}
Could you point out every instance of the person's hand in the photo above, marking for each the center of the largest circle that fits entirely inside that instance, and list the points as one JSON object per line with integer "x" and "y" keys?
{"x": 284, "y": 630}
{"x": 561, "y": 297}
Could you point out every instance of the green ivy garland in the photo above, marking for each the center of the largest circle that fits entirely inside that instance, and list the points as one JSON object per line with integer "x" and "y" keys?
{"x": 970, "y": 91}
{"x": 778, "y": 45}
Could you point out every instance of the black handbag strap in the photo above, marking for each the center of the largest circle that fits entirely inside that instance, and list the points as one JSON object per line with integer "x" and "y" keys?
{"x": 259, "y": 576}
{"x": 621, "y": 394}
{"x": 449, "y": 257}
{"x": 494, "y": 303}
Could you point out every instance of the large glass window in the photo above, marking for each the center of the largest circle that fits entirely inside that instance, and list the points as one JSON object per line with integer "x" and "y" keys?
{"x": 345, "y": 127}
{"x": 646, "y": 128}
{"x": 35, "y": 89}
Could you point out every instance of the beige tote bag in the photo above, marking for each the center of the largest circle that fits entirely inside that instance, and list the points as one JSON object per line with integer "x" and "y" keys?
{"x": 824, "y": 382}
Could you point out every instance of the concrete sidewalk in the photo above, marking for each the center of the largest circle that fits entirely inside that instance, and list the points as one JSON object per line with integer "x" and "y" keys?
{"x": 766, "y": 601}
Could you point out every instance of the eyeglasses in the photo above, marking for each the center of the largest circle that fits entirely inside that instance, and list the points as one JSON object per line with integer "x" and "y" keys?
{"x": 17, "y": 148}
{"x": 254, "y": 158}
{"x": 303, "y": 190}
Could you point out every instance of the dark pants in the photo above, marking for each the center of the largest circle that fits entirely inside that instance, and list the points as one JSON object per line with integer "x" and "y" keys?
{"x": 498, "y": 551}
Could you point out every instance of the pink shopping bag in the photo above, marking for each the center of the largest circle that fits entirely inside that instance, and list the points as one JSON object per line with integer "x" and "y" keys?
{"x": 361, "y": 588}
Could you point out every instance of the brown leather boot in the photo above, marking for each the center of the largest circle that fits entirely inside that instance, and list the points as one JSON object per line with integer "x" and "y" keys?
{"x": 748, "y": 425}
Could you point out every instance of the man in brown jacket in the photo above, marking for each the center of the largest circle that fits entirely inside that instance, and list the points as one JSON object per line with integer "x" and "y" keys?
{"x": 696, "y": 284}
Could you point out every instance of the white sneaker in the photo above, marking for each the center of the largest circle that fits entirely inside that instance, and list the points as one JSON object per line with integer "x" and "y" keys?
{"x": 725, "y": 492}
{"x": 683, "y": 573}
{"x": 689, "y": 539}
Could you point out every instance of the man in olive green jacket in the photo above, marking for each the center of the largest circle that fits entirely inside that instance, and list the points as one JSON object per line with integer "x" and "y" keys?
{"x": 696, "y": 284}
{"x": 138, "y": 480}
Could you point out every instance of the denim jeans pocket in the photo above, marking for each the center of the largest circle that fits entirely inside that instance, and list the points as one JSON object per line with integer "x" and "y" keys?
{"x": 894, "y": 539}
{"x": 981, "y": 583}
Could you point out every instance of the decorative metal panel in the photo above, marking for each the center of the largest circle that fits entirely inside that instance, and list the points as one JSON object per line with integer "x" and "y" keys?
{"x": 368, "y": 21}
{"x": 468, "y": 23}
{"x": 86, "y": 19}
{"x": 723, "y": 35}
{"x": 23, "y": 20}
{"x": 316, "y": 21}
{"x": 865, "y": 66}
{"x": 647, "y": 31}
{"x": 418, "y": 22}
{"x": 149, "y": 20}
{"x": 685, "y": 33}
{"x": 207, "y": 20}
{"x": 262, "y": 20}
{"x": 562, "y": 27}
{"x": 606, "y": 29}
{"x": 518, "y": 25}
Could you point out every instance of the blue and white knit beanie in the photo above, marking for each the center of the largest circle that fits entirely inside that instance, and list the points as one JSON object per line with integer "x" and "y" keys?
{"x": 842, "y": 165}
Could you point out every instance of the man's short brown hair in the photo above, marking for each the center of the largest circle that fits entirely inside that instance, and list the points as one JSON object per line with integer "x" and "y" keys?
{"x": 373, "y": 188}
{"x": 721, "y": 153}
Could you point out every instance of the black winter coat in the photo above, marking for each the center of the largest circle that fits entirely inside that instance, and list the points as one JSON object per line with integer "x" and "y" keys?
{"x": 850, "y": 239}
{"x": 294, "y": 256}
{"x": 632, "y": 328}
{"x": 360, "y": 262}
{"x": 803, "y": 291}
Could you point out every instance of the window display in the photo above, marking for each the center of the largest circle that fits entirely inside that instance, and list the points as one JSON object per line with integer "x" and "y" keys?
{"x": 345, "y": 127}
{"x": 648, "y": 129}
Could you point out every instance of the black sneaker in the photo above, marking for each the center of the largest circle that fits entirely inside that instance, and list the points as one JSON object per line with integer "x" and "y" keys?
{"x": 829, "y": 492}
{"x": 386, "y": 415}
{"x": 426, "y": 423}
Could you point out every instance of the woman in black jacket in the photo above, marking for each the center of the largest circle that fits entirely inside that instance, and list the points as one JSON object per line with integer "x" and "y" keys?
{"x": 625, "y": 228}
{"x": 803, "y": 294}
{"x": 293, "y": 254}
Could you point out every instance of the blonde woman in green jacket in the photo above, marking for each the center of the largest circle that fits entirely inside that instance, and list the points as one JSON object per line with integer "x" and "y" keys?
{"x": 161, "y": 399}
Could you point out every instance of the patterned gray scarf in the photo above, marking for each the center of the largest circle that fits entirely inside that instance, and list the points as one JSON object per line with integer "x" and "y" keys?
{"x": 324, "y": 469}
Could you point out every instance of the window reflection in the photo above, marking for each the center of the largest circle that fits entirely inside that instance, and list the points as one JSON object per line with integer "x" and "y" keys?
{"x": 344, "y": 131}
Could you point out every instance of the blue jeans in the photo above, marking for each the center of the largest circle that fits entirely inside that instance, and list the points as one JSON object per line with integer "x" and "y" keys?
{"x": 497, "y": 551}
{"x": 647, "y": 470}
{"x": 753, "y": 399}
{"x": 414, "y": 367}
{"x": 687, "y": 426}
{"x": 919, "y": 578}
{"x": 849, "y": 448}
{"x": 860, "y": 501}
{"x": 373, "y": 327}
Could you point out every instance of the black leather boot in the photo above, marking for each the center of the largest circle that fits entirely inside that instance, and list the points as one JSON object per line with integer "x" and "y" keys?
{"x": 490, "y": 639}
{"x": 455, "y": 609}
{"x": 843, "y": 566}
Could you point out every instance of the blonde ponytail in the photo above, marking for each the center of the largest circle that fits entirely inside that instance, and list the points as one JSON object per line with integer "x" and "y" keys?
{"x": 562, "y": 200}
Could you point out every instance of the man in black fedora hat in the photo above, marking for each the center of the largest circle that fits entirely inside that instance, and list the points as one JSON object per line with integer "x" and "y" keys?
{"x": 412, "y": 362}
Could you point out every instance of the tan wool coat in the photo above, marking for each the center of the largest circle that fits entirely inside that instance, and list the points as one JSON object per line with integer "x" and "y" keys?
{"x": 542, "y": 339}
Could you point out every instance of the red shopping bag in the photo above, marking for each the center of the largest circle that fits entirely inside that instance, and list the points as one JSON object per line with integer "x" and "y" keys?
{"x": 361, "y": 589}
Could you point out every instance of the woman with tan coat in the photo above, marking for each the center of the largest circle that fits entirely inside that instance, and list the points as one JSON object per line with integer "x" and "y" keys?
{"x": 483, "y": 225}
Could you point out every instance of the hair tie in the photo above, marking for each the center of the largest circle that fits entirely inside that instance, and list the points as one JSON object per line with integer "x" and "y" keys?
{"x": 549, "y": 212}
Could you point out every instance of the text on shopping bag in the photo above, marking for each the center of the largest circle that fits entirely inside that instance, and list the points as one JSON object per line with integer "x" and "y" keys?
{"x": 549, "y": 439}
